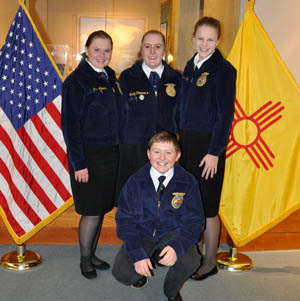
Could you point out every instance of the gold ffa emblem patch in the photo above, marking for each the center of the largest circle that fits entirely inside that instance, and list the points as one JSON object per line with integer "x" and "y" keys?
{"x": 177, "y": 199}
{"x": 170, "y": 89}
{"x": 201, "y": 81}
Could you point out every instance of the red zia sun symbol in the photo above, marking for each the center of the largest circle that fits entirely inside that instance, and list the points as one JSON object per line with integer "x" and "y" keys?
{"x": 252, "y": 127}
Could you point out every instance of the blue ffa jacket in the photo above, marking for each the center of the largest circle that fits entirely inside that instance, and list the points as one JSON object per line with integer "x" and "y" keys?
{"x": 140, "y": 216}
{"x": 142, "y": 112}
{"x": 207, "y": 102}
{"x": 89, "y": 112}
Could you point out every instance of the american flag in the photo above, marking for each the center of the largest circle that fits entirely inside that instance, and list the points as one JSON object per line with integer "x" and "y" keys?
{"x": 34, "y": 180}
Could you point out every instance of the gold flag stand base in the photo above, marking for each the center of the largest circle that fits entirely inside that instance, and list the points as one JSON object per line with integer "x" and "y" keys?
{"x": 233, "y": 261}
{"x": 20, "y": 259}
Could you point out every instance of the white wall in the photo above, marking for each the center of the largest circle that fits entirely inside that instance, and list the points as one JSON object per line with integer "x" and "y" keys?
{"x": 281, "y": 22}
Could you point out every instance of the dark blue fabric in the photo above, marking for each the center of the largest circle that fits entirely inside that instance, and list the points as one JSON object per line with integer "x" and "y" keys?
{"x": 142, "y": 112}
{"x": 138, "y": 215}
{"x": 89, "y": 112}
{"x": 208, "y": 107}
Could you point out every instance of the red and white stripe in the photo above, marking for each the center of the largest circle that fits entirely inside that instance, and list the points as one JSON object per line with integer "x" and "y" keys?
{"x": 33, "y": 169}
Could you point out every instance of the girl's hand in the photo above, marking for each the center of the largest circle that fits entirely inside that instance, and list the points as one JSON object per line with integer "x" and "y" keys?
{"x": 82, "y": 175}
{"x": 210, "y": 163}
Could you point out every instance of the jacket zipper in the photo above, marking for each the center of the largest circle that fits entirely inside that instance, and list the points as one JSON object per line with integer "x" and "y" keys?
{"x": 158, "y": 212}
{"x": 155, "y": 113}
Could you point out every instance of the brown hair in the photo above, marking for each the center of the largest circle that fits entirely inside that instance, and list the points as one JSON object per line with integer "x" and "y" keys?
{"x": 209, "y": 21}
{"x": 98, "y": 34}
{"x": 153, "y": 31}
{"x": 165, "y": 137}
{"x": 94, "y": 35}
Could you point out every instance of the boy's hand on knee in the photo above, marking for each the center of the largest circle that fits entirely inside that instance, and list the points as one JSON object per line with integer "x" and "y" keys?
{"x": 168, "y": 255}
{"x": 144, "y": 267}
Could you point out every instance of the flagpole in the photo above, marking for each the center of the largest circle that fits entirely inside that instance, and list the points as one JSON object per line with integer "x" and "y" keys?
{"x": 21, "y": 259}
{"x": 233, "y": 261}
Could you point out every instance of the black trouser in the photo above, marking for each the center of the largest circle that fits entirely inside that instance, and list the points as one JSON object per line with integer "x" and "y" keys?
{"x": 123, "y": 270}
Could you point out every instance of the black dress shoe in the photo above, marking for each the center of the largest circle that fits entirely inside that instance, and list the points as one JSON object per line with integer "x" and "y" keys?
{"x": 102, "y": 265}
{"x": 198, "y": 277}
{"x": 177, "y": 298}
{"x": 141, "y": 283}
{"x": 88, "y": 274}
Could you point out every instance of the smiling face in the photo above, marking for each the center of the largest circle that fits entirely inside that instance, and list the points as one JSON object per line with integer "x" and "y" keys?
{"x": 205, "y": 40}
{"x": 153, "y": 50}
{"x": 163, "y": 156}
{"x": 99, "y": 52}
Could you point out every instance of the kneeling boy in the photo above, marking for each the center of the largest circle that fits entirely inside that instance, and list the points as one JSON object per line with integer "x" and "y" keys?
{"x": 160, "y": 218}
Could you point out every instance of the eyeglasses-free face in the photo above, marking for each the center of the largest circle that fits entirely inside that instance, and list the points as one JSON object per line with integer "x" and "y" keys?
{"x": 153, "y": 50}
{"x": 99, "y": 52}
{"x": 205, "y": 40}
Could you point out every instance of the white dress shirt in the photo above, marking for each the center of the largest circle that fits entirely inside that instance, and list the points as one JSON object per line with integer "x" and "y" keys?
{"x": 159, "y": 70}
{"x": 98, "y": 70}
{"x": 155, "y": 175}
{"x": 198, "y": 63}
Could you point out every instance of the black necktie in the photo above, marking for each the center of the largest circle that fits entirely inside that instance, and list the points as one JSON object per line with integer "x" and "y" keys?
{"x": 103, "y": 75}
{"x": 154, "y": 80}
{"x": 161, "y": 186}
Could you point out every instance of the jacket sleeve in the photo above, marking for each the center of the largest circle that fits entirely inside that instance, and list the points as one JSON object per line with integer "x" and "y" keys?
{"x": 225, "y": 97}
{"x": 72, "y": 123}
{"x": 127, "y": 227}
{"x": 193, "y": 222}
{"x": 181, "y": 107}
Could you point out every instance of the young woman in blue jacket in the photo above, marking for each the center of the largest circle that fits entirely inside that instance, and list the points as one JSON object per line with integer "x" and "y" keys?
{"x": 90, "y": 128}
{"x": 150, "y": 91}
{"x": 207, "y": 106}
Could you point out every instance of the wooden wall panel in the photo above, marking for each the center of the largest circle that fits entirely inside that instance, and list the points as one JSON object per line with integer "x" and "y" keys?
{"x": 63, "y": 230}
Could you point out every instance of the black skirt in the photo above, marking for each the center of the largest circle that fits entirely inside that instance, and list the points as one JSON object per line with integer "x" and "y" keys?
{"x": 194, "y": 147}
{"x": 96, "y": 197}
{"x": 132, "y": 158}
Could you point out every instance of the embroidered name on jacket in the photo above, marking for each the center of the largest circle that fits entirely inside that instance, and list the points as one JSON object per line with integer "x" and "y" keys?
{"x": 100, "y": 89}
{"x": 137, "y": 93}
{"x": 136, "y": 96}
{"x": 177, "y": 199}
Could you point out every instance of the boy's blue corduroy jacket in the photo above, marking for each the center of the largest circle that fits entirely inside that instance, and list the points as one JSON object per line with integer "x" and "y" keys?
{"x": 138, "y": 215}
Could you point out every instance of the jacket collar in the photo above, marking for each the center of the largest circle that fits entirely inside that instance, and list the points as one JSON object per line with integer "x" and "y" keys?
{"x": 88, "y": 71}
{"x": 136, "y": 71}
{"x": 210, "y": 64}
{"x": 147, "y": 183}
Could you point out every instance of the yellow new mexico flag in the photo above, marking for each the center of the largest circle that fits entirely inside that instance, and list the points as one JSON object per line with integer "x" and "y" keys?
{"x": 262, "y": 176}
